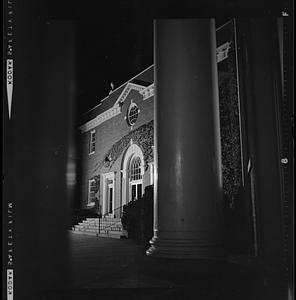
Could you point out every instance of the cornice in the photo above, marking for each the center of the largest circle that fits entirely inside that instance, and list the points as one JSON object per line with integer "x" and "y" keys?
{"x": 148, "y": 91}
{"x": 106, "y": 115}
{"x": 119, "y": 88}
{"x": 222, "y": 51}
{"x": 130, "y": 86}
{"x": 114, "y": 110}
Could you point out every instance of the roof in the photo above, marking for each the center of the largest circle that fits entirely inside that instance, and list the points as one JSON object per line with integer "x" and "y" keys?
{"x": 145, "y": 78}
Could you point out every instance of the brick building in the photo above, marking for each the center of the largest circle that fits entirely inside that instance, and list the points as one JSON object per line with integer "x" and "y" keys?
{"x": 117, "y": 145}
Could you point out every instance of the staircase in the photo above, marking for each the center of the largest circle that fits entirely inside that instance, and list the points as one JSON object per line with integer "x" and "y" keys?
{"x": 108, "y": 226}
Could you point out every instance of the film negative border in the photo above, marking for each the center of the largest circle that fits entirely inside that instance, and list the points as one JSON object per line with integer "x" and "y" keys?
{"x": 8, "y": 204}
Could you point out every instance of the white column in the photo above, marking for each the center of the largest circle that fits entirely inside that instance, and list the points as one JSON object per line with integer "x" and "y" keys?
{"x": 104, "y": 209}
{"x": 188, "y": 185}
{"x": 123, "y": 200}
{"x": 151, "y": 173}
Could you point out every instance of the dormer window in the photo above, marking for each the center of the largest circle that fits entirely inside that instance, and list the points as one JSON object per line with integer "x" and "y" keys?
{"x": 92, "y": 142}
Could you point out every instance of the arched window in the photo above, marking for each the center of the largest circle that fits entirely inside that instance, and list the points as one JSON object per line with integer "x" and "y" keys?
{"x": 132, "y": 173}
{"x": 135, "y": 169}
{"x": 135, "y": 178}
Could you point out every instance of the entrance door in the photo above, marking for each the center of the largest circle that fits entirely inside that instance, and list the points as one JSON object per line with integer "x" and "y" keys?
{"x": 110, "y": 198}
{"x": 134, "y": 192}
{"x": 108, "y": 193}
{"x": 139, "y": 190}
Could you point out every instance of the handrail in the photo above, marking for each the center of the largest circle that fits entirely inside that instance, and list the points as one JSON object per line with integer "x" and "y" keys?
{"x": 116, "y": 212}
{"x": 119, "y": 210}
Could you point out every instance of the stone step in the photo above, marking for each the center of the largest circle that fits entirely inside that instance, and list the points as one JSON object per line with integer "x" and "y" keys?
{"x": 104, "y": 227}
{"x": 115, "y": 228}
{"x": 100, "y": 225}
{"x": 102, "y": 221}
{"x": 104, "y": 218}
{"x": 108, "y": 227}
{"x": 110, "y": 234}
{"x": 79, "y": 226}
{"x": 96, "y": 229}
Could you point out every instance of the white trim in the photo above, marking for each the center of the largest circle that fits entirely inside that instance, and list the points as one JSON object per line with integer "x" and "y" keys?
{"x": 148, "y": 91}
{"x": 133, "y": 104}
{"x": 90, "y": 181}
{"x": 132, "y": 151}
{"x": 222, "y": 51}
{"x": 221, "y": 26}
{"x": 110, "y": 186}
{"x": 113, "y": 111}
{"x": 151, "y": 171}
{"x": 130, "y": 86}
{"x": 110, "y": 176}
{"x": 106, "y": 115}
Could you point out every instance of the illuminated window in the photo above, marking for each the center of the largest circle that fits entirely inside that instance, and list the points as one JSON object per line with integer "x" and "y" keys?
{"x": 92, "y": 142}
{"x": 132, "y": 114}
{"x": 135, "y": 177}
{"x": 135, "y": 169}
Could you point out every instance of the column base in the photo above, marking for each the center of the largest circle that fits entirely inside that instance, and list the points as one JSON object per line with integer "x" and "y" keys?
{"x": 185, "y": 249}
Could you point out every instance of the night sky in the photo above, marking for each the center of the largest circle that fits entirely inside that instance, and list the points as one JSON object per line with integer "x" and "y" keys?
{"x": 114, "y": 42}
{"x": 110, "y": 50}
{"x": 114, "y": 39}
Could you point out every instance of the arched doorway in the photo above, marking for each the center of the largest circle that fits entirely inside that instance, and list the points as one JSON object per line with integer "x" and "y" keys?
{"x": 132, "y": 174}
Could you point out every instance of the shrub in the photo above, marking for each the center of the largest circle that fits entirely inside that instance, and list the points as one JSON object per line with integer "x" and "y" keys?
{"x": 137, "y": 218}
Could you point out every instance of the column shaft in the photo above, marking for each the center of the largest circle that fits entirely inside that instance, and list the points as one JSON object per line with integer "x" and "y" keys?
{"x": 188, "y": 185}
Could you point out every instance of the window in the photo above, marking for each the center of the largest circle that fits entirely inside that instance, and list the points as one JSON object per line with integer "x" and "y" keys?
{"x": 135, "y": 169}
{"x": 135, "y": 177}
{"x": 92, "y": 142}
{"x": 132, "y": 173}
{"x": 91, "y": 191}
{"x": 132, "y": 114}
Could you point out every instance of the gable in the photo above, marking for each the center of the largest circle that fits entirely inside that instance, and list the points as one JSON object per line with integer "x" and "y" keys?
{"x": 113, "y": 110}
{"x": 110, "y": 106}
{"x": 128, "y": 88}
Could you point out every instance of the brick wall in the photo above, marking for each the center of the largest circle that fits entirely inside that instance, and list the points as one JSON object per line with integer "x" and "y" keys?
{"x": 107, "y": 134}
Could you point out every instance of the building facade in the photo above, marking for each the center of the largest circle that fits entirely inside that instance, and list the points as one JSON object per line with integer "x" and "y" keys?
{"x": 118, "y": 146}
